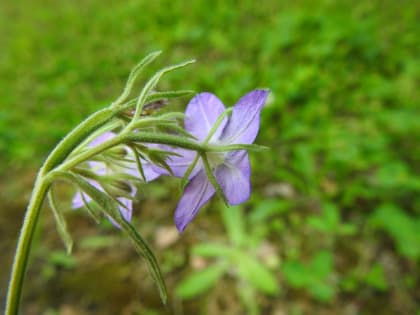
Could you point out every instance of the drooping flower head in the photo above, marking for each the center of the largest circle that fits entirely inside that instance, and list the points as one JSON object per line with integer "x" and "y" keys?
{"x": 125, "y": 165}
{"x": 230, "y": 168}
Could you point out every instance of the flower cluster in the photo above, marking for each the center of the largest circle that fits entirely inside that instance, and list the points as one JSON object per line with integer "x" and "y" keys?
{"x": 211, "y": 126}
{"x": 105, "y": 177}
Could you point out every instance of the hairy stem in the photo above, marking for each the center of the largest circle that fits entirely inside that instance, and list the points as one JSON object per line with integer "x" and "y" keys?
{"x": 76, "y": 136}
{"x": 24, "y": 245}
{"x": 42, "y": 184}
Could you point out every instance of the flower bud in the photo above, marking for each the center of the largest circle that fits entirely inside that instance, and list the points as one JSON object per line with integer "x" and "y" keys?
{"x": 118, "y": 152}
{"x": 122, "y": 185}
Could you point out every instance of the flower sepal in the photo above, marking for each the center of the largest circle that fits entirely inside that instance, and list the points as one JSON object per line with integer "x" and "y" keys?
{"x": 111, "y": 208}
{"x": 235, "y": 147}
{"x": 61, "y": 222}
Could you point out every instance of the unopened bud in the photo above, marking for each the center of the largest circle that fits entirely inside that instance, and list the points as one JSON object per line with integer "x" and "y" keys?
{"x": 122, "y": 185}
{"x": 118, "y": 152}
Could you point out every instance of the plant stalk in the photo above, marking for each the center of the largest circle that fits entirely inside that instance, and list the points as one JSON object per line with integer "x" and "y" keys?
{"x": 24, "y": 243}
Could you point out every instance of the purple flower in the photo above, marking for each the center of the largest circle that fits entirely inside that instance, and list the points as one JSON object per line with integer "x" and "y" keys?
{"x": 231, "y": 169}
{"x": 127, "y": 165}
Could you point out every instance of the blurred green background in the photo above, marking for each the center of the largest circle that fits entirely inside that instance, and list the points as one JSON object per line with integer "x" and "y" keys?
{"x": 333, "y": 226}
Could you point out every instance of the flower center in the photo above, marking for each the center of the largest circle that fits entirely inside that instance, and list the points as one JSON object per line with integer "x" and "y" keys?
{"x": 215, "y": 158}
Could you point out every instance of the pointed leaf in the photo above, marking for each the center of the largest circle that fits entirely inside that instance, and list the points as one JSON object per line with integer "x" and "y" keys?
{"x": 110, "y": 207}
{"x": 98, "y": 241}
{"x": 322, "y": 264}
{"x": 91, "y": 210}
{"x": 200, "y": 281}
{"x": 234, "y": 224}
{"x": 61, "y": 223}
{"x": 143, "y": 249}
{"x": 138, "y": 163}
{"x": 191, "y": 167}
{"x": 212, "y": 250}
{"x": 250, "y": 269}
{"x": 159, "y": 96}
{"x": 152, "y": 83}
{"x": 296, "y": 274}
{"x": 173, "y": 115}
{"x": 134, "y": 74}
{"x": 331, "y": 215}
{"x": 212, "y": 179}
{"x": 322, "y": 291}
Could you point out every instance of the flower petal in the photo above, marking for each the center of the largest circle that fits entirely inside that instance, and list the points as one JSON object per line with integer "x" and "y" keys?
{"x": 179, "y": 163}
{"x": 126, "y": 208}
{"x": 99, "y": 168}
{"x": 233, "y": 176}
{"x": 201, "y": 114}
{"x": 80, "y": 197}
{"x": 78, "y": 202}
{"x": 244, "y": 123}
{"x": 148, "y": 170}
{"x": 196, "y": 194}
{"x": 102, "y": 138}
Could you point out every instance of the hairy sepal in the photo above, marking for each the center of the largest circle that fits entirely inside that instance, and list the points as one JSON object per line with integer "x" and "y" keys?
{"x": 110, "y": 207}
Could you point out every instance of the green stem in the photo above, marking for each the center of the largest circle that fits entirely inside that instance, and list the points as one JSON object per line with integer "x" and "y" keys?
{"x": 83, "y": 156}
{"x": 161, "y": 138}
{"x": 76, "y": 136}
{"x": 39, "y": 192}
{"x": 24, "y": 245}
{"x": 127, "y": 137}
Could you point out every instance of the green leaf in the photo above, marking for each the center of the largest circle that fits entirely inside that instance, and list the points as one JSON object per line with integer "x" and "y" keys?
{"x": 322, "y": 291}
{"x": 62, "y": 259}
{"x": 148, "y": 87}
{"x": 318, "y": 224}
{"x": 347, "y": 229}
{"x": 329, "y": 221}
{"x": 235, "y": 147}
{"x": 304, "y": 161}
{"x": 212, "y": 250}
{"x": 144, "y": 250}
{"x": 162, "y": 138}
{"x": 253, "y": 271}
{"x": 404, "y": 229}
{"x": 200, "y": 281}
{"x": 268, "y": 208}
{"x": 235, "y": 225}
{"x": 134, "y": 74}
{"x": 331, "y": 215}
{"x": 217, "y": 123}
{"x": 173, "y": 127}
{"x": 159, "y": 96}
{"x": 106, "y": 202}
{"x": 189, "y": 170}
{"x": 295, "y": 273}
{"x": 172, "y": 115}
{"x": 98, "y": 242}
{"x": 212, "y": 179}
{"x": 392, "y": 175}
{"x": 249, "y": 298}
{"x": 138, "y": 162}
{"x": 322, "y": 264}
{"x": 312, "y": 276}
{"x": 61, "y": 223}
{"x": 376, "y": 278}
{"x": 91, "y": 210}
